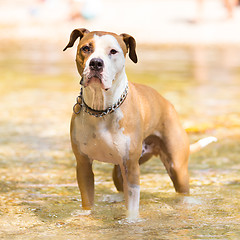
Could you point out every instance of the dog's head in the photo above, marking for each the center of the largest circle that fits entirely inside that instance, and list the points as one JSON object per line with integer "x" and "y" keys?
{"x": 101, "y": 55}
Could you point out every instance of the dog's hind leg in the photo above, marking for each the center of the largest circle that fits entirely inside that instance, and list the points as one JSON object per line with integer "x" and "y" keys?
{"x": 174, "y": 153}
{"x": 117, "y": 178}
{"x": 178, "y": 171}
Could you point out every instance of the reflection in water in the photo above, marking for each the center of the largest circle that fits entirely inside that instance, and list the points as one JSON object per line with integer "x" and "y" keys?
{"x": 39, "y": 195}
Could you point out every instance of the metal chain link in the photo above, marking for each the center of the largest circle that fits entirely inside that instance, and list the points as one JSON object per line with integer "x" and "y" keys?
{"x": 98, "y": 113}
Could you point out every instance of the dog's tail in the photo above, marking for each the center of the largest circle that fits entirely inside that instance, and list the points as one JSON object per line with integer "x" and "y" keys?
{"x": 195, "y": 147}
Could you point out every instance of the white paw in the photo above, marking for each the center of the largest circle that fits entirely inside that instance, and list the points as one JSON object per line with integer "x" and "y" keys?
{"x": 81, "y": 212}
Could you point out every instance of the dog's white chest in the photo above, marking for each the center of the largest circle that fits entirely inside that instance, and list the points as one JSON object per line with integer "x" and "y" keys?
{"x": 102, "y": 139}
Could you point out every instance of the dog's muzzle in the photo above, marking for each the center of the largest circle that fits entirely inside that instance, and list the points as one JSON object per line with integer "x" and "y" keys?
{"x": 96, "y": 66}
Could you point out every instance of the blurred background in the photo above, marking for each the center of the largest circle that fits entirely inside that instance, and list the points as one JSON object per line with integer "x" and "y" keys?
{"x": 189, "y": 50}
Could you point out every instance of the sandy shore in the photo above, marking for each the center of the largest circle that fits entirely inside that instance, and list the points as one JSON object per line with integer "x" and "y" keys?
{"x": 149, "y": 21}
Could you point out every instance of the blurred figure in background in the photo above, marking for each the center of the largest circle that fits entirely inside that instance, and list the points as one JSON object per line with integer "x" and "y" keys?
{"x": 75, "y": 9}
{"x": 36, "y": 7}
{"x": 84, "y": 9}
{"x": 229, "y": 5}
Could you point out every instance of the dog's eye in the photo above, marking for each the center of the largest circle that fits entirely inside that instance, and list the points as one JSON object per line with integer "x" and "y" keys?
{"x": 113, "y": 51}
{"x": 86, "y": 49}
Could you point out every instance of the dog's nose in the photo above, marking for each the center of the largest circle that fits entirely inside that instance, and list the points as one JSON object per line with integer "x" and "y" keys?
{"x": 96, "y": 64}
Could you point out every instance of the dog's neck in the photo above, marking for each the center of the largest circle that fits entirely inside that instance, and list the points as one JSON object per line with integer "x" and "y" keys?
{"x": 99, "y": 99}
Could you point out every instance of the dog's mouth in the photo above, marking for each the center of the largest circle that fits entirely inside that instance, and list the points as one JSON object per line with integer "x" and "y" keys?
{"x": 93, "y": 78}
{"x": 90, "y": 78}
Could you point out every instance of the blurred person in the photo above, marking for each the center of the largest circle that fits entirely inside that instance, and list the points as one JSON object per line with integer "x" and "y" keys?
{"x": 42, "y": 10}
{"x": 75, "y": 9}
{"x": 85, "y": 9}
{"x": 36, "y": 7}
{"x": 229, "y": 5}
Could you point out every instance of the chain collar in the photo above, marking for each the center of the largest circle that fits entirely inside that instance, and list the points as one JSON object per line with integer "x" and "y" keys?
{"x": 97, "y": 113}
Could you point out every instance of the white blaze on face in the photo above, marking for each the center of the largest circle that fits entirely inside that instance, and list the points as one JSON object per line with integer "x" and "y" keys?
{"x": 113, "y": 63}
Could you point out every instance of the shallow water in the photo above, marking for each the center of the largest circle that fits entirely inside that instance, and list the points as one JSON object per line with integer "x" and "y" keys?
{"x": 39, "y": 196}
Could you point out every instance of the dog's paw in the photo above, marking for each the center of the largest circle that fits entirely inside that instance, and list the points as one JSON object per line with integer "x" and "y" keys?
{"x": 81, "y": 212}
{"x": 112, "y": 198}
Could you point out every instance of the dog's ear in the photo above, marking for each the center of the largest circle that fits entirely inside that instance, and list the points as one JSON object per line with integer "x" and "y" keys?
{"x": 131, "y": 45}
{"x": 80, "y": 32}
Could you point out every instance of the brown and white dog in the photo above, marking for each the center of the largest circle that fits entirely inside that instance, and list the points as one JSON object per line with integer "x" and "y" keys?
{"x": 120, "y": 122}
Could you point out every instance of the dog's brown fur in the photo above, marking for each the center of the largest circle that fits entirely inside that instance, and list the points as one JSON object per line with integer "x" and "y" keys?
{"x": 147, "y": 119}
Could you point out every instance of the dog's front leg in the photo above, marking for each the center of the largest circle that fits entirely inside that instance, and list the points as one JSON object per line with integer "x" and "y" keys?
{"x": 85, "y": 178}
{"x": 131, "y": 186}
